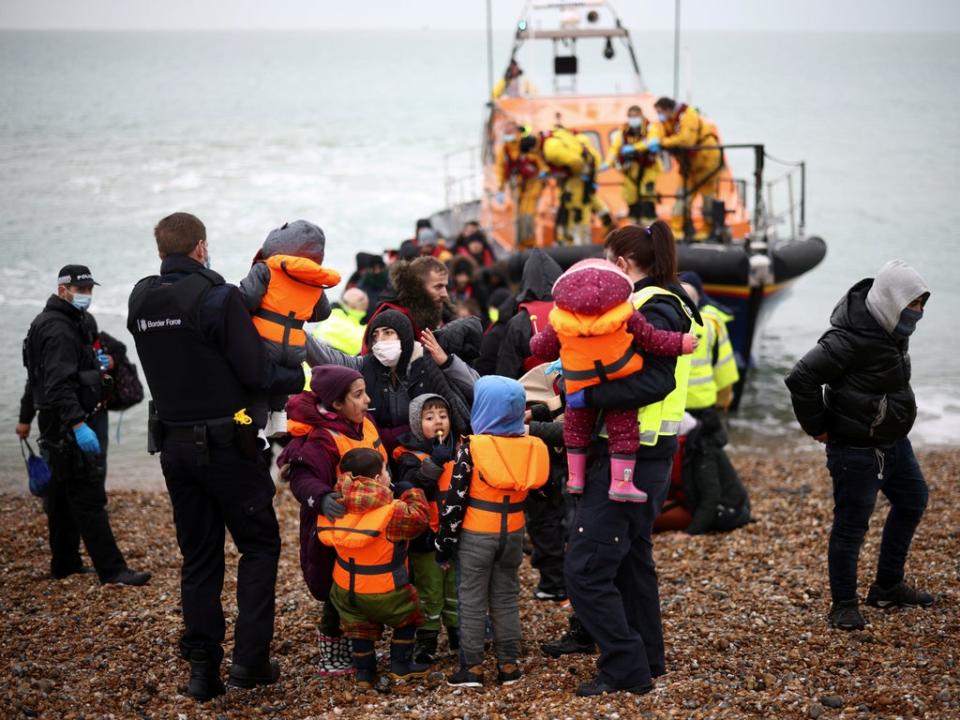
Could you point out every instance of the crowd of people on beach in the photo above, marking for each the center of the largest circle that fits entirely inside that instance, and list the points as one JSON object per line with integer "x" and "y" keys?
{"x": 433, "y": 420}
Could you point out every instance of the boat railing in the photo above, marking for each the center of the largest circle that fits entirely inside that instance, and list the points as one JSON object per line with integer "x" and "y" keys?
{"x": 463, "y": 179}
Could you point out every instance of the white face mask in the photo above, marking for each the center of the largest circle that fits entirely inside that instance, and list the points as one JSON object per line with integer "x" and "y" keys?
{"x": 634, "y": 122}
{"x": 387, "y": 352}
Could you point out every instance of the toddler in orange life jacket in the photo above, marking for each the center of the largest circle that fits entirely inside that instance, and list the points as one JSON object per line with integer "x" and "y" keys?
{"x": 371, "y": 582}
{"x": 283, "y": 290}
{"x": 481, "y": 522}
{"x": 424, "y": 459}
{"x": 600, "y": 336}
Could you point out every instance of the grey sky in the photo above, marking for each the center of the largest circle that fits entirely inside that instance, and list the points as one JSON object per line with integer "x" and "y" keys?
{"x": 747, "y": 15}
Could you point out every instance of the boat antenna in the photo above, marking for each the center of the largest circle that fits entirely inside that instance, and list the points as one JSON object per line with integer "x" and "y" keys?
{"x": 676, "y": 48}
{"x": 489, "y": 49}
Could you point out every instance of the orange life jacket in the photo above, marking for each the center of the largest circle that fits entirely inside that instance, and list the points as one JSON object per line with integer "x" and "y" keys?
{"x": 443, "y": 484}
{"x": 295, "y": 286}
{"x": 539, "y": 313}
{"x": 367, "y": 563}
{"x": 370, "y": 438}
{"x": 595, "y": 348}
{"x": 504, "y": 470}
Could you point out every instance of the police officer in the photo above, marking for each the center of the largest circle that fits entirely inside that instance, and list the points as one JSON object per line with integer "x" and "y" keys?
{"x": 204, "y": 361}
{"x": 610, "y": 573}
{"x": 65, "y": 387}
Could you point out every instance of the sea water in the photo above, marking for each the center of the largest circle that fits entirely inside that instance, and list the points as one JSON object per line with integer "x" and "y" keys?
{"x": 102, "y": 134}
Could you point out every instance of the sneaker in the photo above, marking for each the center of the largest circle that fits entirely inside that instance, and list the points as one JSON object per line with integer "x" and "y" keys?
{"x": 128, "y": 577}
{"x": 508, "y": 674}
{"x": 573, "y": 642}
{"x": 594, "y": 687}
{"x": 335, "y": 656}
{"x": 846, "y": 616}
{"x": 79, "y": 570}
{"x": 548, "y": 595}
{"x": 246, "y": 677}
{"x": 900, "y": 595}
{"x": 467, "y": 677}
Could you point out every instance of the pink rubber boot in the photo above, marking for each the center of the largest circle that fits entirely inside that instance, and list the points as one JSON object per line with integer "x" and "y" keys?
{"x": 622, "y": 488}
{"x": 576, "y": 471}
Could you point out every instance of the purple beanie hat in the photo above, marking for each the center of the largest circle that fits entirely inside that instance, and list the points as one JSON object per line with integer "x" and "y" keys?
{"x": 330, "y": 382}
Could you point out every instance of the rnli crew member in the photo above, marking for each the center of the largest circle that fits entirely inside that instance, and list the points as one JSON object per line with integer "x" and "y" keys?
{"x": 609, "y": 568}
{"x": 64, "y": 388}
{"x": 574, "y": 161}
{"x": 513, "y": 84}
{"x": 683, "y": 128}
{"x": 864, "y": 415}
{"x": 204, "y": 362}
{"x": 640, "y": 168}
{"x": 717, "y": 499}
{"x": 524, "y": 169}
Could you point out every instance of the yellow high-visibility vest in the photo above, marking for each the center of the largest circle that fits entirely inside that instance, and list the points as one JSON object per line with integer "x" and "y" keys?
{"x": 725, "y": 371}
{"x": 702, "y": 388}
{"x": 663, "y": 418}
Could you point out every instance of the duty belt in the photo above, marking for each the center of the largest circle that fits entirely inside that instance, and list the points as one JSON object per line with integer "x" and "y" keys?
{"x": 202, "y": 434}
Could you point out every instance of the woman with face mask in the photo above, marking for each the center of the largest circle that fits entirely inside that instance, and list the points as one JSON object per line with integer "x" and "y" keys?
{"x": 399, "y": 367}
{"x": 852, "y": 392}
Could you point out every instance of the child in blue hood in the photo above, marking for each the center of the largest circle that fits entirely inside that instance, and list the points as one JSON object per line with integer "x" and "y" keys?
{"x": 481, "y": 521}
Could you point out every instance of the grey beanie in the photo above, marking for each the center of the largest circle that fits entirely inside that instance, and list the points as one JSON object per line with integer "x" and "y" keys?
{"x": 416, "y": 413}
{"x": 896, "y": 286}
{"x": 299, "y": 238}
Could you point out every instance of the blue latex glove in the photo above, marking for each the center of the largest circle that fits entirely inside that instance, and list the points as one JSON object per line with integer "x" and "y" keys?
{"x": 585, "y": 177}
{"x": 501, "y": 198}
{"x": 577, "y": 400}
{"x": 628, "y": 149}
{"x": 543, "y": 175}
{"x": 86, "y": 439}
{"x": 604, "y": 167}
{"x": 555, "y": 367}
{"x": 653, "y": 145}
{"x": 103, "y": 359}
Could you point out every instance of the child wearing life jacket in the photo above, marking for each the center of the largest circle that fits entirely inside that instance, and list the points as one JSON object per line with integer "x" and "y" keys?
{"x": 600, "y": 336}
{"x": 424, "y": 458}
{"x": 283, "y": 290}
{"x": 481, "y": 522}
{"x": 325, "y": 423}
{"x": 371, "y": 580}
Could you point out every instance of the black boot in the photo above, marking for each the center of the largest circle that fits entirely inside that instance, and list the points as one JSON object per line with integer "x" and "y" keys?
{"x": 453, "y": 638}
{"x": 575, "y": 641}
{"x": 402, "y": 665}
{"x": 205, "y": 683}
{"x": 246, "y": 677}
{"x": 365, "y": 662}
{"x": 425, "y": 649}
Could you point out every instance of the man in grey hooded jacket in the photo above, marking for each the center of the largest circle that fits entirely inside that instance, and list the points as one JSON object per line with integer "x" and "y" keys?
{"x": 852, "y": 392}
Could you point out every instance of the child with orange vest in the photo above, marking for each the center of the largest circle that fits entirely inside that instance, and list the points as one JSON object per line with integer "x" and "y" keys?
{"x": 481, "y": 520}
{"x": 283, "y": 290}
{"x": 600, "y": 336}
{"x": 371, "y": 580}
{"x": 424, "y": 459}
{"x": 325, "y": 423}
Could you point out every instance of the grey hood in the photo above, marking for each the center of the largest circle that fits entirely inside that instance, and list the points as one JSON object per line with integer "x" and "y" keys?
{"x": 896, "y": 286}
{"x": 416, "y": 413}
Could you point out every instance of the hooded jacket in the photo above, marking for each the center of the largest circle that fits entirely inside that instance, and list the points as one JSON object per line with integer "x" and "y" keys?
{"x": 540, "y": 272}
{"x": 310, "y": 463}
{"x": 868, "y": 400}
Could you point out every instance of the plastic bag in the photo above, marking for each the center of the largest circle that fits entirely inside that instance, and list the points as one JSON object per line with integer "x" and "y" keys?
{"x": 38, "y": 472}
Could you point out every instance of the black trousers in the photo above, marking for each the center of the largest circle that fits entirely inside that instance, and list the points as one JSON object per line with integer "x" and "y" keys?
{"x": 76, "y": 504}
{"x": 545, "y": 511}
{"x": 858, "y": 475}
{"x": 236, "y": 493}
{"x": 611, "y": 575}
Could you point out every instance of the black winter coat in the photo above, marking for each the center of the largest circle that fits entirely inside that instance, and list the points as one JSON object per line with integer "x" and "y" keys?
{"x": 868, "y": 401}
{"x": 64, "y": 382}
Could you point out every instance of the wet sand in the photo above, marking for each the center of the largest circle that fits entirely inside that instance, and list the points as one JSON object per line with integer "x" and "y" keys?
{"x": 744, "y": 620}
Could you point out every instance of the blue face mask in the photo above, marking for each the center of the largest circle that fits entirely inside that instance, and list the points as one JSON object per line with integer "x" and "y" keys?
{"x": 206, "y": 262}
{"x": 81, "y": 302}
{"x": 634, "y": 122}
{"x": 907, "y": 323}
